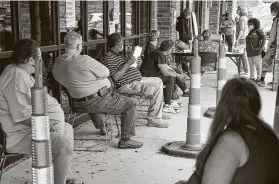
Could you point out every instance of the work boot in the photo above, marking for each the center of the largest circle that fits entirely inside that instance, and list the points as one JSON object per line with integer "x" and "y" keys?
{"x": 129, "y": 144}
{"x": 158, "y": 124}
{"x": 261, "y": 84}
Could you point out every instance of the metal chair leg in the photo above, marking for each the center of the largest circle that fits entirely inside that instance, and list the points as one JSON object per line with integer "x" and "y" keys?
{"x": 3, "y": 160}
{"x": 118, "y": 135}
{"x": 74, "y": 119}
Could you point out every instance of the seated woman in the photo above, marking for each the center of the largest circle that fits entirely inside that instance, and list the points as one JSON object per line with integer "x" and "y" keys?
{"x": 154, "y": 37}
{"x": 208, "y": 51}
{"x": 241, "y": 147}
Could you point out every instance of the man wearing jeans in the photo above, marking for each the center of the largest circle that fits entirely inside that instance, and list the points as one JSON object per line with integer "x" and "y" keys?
{"x": 128, "y": 80}
{"x": 87, "y": 81}
{"x": 156, "y": 66}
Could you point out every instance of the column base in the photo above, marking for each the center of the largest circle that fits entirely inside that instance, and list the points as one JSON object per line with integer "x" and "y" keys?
{"x": 209, "y": 113}
{"x": 178, "y": 148}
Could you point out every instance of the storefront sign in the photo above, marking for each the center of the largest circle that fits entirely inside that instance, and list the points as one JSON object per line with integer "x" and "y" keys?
{"x": 70, "y": 13}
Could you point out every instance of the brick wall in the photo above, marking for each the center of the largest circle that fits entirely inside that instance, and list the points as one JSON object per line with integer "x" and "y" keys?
{"x": 205, "y": 15}
{"x": 214, "y": 17}
{"x": 144, "y": 16}
{"x": 168, "y": 11}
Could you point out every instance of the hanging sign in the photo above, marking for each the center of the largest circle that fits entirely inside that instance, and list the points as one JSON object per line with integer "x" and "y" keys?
{"x": 70, "y": 13}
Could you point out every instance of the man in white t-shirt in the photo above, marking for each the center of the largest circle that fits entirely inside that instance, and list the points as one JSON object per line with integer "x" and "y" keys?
{"x": 16, "y": 82}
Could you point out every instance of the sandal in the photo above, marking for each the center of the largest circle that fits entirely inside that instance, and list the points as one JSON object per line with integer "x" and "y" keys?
{"x": 74, "y": 181}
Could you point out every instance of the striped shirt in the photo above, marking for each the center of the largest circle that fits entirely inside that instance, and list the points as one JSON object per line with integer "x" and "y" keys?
{"x": 114, "y": 61}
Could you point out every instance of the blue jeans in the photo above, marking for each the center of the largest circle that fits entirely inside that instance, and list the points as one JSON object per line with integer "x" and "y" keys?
{"x": 112, "y": 104}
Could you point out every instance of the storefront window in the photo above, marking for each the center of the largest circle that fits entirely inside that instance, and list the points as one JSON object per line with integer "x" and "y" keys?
{"x": 5, "y": 26}
{"x": 129, "y": 26}
{"x": 144, "y": 16}
{"x": 95, "y": 20}
{"x": 114, "y": 17}
{"x": 69, "y": 16}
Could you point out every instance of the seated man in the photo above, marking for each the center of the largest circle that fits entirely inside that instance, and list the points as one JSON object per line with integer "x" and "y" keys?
{"x": 128, "y": 80}
{"x": 180, "y": 81}
{"x": 16, "y": 82}
{"x": 156, "y": 66}
{"x": 154, "y": 37}
{"x": 87, "y": 81}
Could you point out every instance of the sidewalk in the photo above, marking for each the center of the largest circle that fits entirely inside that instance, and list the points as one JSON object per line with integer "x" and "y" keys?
{"x": 145, "y": 165}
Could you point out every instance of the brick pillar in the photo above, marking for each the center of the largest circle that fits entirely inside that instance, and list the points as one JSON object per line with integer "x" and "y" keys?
{"x": 116, "y": 10}
{"x": 205, "y": 15}
{"x": 154, "y": 12}
{"x": 144, "y": 21}
{"x": 168, "y": 11}
{"x": 214, "y": 17}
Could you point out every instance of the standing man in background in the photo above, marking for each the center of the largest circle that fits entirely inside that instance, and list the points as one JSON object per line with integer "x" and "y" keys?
{"x": 226, "y": 26}
{"x": 184, "y": 27}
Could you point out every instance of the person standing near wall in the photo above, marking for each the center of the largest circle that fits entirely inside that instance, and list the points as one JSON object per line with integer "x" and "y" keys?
{"x": 267, "y": 65}
{"x": 226, "y": 26}
{"x": 255, "y": 42}
{"x": 184, "y": 26}
{"x": 241, "y": 33}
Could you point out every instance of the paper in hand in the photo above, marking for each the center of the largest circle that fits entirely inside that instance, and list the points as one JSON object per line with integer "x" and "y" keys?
{"x": 136, "y": 54}
{"x": 137, "y": 51}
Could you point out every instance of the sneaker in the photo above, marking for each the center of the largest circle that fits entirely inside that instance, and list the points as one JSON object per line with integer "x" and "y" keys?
{"x": 244, "y": 73}
{"x": 166, "y": 116}
{"x": 253, "y": 79}
{"x": 186, "y": 94}
{"x": 261, "y": 84}
{"x": 129, "y": 144}
{"x": 169, "y": 109}
{"x": 236, "y": 75}
{"x": 176, "y": 104}
{"x": 270, "y": 83}
{"x": 158, "y": 124}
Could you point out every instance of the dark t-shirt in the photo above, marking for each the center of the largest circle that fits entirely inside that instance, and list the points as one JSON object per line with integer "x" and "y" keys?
{"x": 148, "y": 49}
{"x": 150, "y": 64}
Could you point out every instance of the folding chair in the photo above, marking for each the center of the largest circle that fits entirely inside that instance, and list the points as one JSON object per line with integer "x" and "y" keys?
{"x": 4, "y": 154}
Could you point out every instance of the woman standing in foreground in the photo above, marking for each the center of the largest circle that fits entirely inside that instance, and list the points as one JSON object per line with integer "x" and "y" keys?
{"x": 241, "y": 148}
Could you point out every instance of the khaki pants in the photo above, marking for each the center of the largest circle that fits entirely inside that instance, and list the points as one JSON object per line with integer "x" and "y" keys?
{"x": 255, "y": 64}
{"x": 153, "y": 88}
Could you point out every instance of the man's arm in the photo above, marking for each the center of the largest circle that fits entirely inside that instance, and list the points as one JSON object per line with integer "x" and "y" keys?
{"x": 97, "y": 68}
{"x": 166, "y": 70}
{"x": 241, "y": 31}
{"x": 19, "y": 103}
{"x": 120, "y": 72}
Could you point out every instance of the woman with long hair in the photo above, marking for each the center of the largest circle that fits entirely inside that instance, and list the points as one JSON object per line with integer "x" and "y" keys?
{"x": 241, "y": 148}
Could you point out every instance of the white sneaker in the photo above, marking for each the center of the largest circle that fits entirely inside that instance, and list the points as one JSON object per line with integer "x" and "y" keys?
{"x": 176, "y": 105}
{"x": 169, "y": 109}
